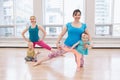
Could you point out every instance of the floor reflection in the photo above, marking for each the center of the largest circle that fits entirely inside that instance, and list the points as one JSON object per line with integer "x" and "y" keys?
{"x": 100, "y": 64}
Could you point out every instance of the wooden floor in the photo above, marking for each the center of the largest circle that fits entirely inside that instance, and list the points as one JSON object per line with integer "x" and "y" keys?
{"x": 100, "y": 64}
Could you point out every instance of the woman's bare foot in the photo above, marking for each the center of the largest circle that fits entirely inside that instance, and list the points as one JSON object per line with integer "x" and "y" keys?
{"x": 38, "y": 52}
{"x": 78, "y": 68}
{"x": 37, "y": 63}
{"x": 62, "y": 55}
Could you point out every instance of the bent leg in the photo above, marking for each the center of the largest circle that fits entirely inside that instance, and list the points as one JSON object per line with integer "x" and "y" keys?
{"x": 77, "y": 58}
{"x": 76, "y": 54}
{"x": 43, "y": 44}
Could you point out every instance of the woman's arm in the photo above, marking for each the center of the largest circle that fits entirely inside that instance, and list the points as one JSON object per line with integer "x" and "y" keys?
{"x": 23, "y": 35}
{"x": 43, "y": 31}
{"x": 64, "y": 30}
{"x": 89, "y": 37}
{"x": 87, "y": 32}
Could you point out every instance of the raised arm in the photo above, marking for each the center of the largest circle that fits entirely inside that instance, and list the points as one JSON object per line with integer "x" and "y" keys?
{"x": 43, "y": 31}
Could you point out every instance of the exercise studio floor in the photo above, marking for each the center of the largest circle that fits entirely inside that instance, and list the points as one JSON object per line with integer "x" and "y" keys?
{"x": 100, "y": 64}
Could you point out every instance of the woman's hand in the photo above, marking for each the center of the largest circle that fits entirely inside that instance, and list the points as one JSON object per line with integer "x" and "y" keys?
{"x": 58, "y": 45}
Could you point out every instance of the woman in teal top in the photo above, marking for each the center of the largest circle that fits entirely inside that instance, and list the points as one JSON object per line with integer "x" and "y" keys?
{"x": 74, "y": 34}
{"x": 75, "y": 30}
{"x": 34, "y": 34}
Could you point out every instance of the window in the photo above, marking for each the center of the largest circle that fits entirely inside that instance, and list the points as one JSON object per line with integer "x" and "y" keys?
{"x": 107, "y": 18}
{"x": 103, "y": 10}
{"x": 14, "y": 16}
{"x": 6, "y": 12}
{"x": 22, "y": 14}
{"x": 102, "y": 30}
{"x": 6, "y": 31}
{"x": 57, "y": 13}
{"x": 116, "y": 18}
{"x": 70, "y": 6}
{"x": 103, "y": 17}
{"x": 53, "y": 12}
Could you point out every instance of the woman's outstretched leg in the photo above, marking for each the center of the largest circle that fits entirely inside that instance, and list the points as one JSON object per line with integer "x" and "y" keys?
{"x": 42, "y": 60}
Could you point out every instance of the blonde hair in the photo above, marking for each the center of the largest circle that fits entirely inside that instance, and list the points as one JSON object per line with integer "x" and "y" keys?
{"x": 33, "y": 17}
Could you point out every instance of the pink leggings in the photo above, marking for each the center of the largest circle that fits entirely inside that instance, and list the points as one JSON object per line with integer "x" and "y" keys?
{"x": 42, "y": 44}
{"x": 64, "y": 50}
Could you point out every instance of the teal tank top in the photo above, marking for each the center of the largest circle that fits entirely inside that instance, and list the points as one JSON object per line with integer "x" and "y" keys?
{"x": 34, "y": 34}
{"x": 74, "y": 34}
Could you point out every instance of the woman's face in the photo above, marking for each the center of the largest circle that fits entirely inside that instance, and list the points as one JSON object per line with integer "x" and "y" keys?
{"x": 33, "y": 19}
{"x": 77, "y": 16}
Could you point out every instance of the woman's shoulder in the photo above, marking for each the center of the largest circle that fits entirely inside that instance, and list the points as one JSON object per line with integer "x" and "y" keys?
{"x": 38, "y": 26}
{"x": 68, "y": 24}
{"x": 84, "y": 24}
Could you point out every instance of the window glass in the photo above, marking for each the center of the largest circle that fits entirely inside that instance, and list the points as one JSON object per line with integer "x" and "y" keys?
{"x": 116, "y": 21}
{"x": 14, "y": 16}
{"x": 57, "y": 13}
{"x": 22, "y": 12}
{"x": 103, "y": 17}
{"x": 6, "y": 12}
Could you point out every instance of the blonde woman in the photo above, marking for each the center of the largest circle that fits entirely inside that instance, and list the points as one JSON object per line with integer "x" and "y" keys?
{"x": 34, "y": 37}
